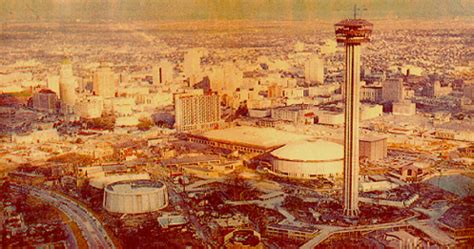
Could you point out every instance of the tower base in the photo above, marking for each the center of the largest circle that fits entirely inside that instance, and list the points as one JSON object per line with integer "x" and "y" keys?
{"x": 351, "y": 212}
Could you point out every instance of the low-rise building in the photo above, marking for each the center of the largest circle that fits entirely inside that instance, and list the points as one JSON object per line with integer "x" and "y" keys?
{"x": 373, "y": 148}
{"x": 401, "y": 239}
{"x": 405, "y": 108}
{"x": 296, "y": 114}
{"x": 291, "y": 232}
{"x": 371, "y": 94}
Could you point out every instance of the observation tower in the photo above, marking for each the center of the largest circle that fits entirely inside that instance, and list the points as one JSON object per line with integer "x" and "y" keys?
{"x": 352, "y": 33}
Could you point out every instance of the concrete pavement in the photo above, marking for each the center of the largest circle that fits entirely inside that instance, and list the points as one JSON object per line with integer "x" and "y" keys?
{"x": 90, "y": 227}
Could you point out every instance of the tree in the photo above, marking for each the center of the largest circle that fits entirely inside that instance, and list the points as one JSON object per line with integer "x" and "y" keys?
{"x": 145, "y": 124}
{"x": 72, "y": 158}
{"x": 102, "y": 123}
{"x": 236, "y": 185}
{"x": 242, "y": 110}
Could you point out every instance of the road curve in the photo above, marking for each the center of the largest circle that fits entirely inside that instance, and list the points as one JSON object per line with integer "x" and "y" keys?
{"x": 90, "y": 227}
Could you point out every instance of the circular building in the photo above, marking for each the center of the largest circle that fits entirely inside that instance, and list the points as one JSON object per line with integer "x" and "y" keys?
{"x": 135, "y": 196}
{"x": 308, "y": 159}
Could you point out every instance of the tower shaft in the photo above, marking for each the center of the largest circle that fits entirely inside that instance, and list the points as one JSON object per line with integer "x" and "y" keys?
{"x": 351, "y": 130}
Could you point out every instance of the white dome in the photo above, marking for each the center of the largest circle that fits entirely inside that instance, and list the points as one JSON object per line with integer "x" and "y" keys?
{"x": 318, "y": 150}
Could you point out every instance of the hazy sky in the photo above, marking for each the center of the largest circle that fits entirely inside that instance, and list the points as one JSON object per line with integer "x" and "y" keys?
{"x": 177, "y": 10}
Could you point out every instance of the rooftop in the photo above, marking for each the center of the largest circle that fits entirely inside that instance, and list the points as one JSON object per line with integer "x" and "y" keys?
{"x": 460, "y": 216}
{"x": 402, "y": 235}
{"x": 307, "y": 150}
{"x": 191, "y": 159}
{"x": 102, "y": 181}
{"x": 304, "y": 229}
{"x": 135, "y": 186}
{"x": 357, "y": 23}
{"x": 353, "y": 31}
{"x": 371, "y": 138}
{"x": 253, "y": 136}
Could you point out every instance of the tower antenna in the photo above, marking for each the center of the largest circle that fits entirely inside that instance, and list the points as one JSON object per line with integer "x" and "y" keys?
{"x": 360, "y": 9}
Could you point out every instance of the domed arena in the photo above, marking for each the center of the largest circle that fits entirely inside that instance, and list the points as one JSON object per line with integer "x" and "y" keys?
{"x": 308, "y": 159}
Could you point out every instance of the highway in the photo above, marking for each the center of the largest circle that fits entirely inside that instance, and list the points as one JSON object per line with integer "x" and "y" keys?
{"x": 427, "y": 226}
{"x": 92, "y": 230}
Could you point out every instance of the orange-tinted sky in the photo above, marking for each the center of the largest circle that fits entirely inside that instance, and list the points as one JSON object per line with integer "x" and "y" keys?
{"x": 176, "y": 10}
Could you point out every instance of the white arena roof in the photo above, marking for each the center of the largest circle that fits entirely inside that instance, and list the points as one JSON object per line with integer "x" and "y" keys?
{"x": 306, "y": 150}
{"x": 256, "y": 136}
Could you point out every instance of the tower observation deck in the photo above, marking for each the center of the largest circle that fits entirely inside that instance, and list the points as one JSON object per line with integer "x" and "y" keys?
{"x": 351, "y": 33}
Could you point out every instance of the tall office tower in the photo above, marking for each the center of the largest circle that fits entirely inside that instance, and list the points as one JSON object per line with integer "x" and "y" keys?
{"x": 45, "y": 100}
{"x": 53, "y": 83}
{"x": 314, "y": 70}
{"x": 233, "y": 77}
{"x": 351, "y": 33}
{"x": 392, "y": 90}
{"x": 226, "y": 77}
{"x": 67, "y": 88}
{"x": 192, "y": 65}
{"x": 103, "y": 83}
{"x": 163, "y": 72}
{"x": 216, "y": 78}
{"x": 197, "y": 111}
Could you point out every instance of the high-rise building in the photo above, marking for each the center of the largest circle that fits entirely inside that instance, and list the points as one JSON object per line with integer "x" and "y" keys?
{"x": 53, "y": 83}
{"x": 393, "y": 90}
{"x": 314, "y": 70}
{"x": 226, "y": 77}
{"x": 352, "y": 32}
{"x": 45, "y": 100}
{"x": 90, "y": 107}
{"x": 67, "y": 88}
{"x": 163, "y": 72}
{"x": 197, "y": 111}
{"x": 192, "y": 65}
{"x": 103, "y": 83}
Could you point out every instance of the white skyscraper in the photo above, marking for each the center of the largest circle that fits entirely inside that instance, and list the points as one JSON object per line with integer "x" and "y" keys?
{"x": 226, "y": 77}
{"x": 196, "y": 111}
{"x": 163, "y": 73}
{"x": 53, "y": 83}
{"x": 314, "y": 70}
{"x": 104, "y": 82}
{"x": 67, "y": 88}
{"x": 192, "y": 65}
